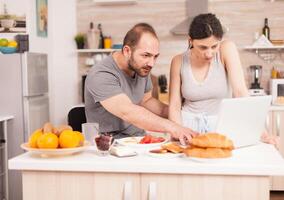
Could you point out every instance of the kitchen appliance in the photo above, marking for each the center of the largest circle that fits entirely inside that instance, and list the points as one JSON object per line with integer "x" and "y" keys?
{"x": 24, "y": 95}
{"x": 255, "y": 89}
{"x": 277, "y": 91}
{"x": 193, "y": 8}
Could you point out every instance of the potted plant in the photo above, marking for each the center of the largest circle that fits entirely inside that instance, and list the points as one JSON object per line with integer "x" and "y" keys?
{"x": 80, "y": 40}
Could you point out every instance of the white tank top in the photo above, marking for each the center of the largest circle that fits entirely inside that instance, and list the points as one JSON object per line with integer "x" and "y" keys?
{"x": 205, "y": 97}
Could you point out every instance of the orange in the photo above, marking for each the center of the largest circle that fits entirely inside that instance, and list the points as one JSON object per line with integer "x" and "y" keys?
{"x": 33, "y": 138}
{"x": 69, "y": 139}
{"x": 47, "y": 141}
{"x": 81, "y": 137}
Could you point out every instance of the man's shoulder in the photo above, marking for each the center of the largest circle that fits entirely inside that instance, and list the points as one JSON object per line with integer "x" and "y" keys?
{"x": 105, "y": 66}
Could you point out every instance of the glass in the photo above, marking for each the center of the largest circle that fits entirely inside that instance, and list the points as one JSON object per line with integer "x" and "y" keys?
{"x": 90, "y": 131}
{"x": 103, "y": 142}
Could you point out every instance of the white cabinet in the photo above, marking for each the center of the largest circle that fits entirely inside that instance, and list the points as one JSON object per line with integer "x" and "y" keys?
{"x": 276, "y": 127}
{"x": 74, "y": 186}
{"x": 50, "y": 185}
{"x": 184, "y": 187}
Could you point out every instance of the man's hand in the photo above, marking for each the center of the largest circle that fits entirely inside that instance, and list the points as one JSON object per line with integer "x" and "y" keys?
{"x": 183, "y": 134}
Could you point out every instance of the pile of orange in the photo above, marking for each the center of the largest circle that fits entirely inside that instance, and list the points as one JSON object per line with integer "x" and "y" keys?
{"x": 50, "y": 137}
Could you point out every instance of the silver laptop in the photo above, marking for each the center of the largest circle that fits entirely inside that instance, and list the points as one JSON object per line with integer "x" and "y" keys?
{"x": 243, "y": 119}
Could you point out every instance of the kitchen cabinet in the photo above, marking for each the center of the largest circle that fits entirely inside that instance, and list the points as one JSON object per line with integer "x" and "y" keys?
{"x": 276, "y": 127}
{"x": 184, "y": 187}
{"x": 74, "y": 186}
{"x": 91, "y": 177}
{"x": 124, "y": 186}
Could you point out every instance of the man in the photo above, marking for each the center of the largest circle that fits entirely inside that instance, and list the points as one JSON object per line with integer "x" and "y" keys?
{"x": 118, "y": 90}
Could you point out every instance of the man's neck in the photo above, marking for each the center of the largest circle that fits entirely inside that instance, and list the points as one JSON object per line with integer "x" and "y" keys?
{"x": 122, "y": 63}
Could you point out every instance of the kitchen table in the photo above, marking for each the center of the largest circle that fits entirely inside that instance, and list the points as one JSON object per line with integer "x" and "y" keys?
{"x": 88, "y": 176}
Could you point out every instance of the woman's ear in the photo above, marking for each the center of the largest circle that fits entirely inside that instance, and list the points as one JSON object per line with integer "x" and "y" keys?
{"x": 189, "y": 42}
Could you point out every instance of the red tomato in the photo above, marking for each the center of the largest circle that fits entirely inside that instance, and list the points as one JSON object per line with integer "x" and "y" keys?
{"x": 145, "y": 140}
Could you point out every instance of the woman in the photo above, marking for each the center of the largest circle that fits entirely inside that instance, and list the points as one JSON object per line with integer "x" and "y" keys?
{"x": 201, "y": 77}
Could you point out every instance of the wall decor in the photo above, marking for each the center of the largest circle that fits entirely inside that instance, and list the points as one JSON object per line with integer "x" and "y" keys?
{"x": 41, "y": 18}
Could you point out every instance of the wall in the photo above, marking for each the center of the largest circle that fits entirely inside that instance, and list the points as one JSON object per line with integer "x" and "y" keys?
{"x": 242, "y": 17}
{"x": 60, "y": 47}
{"x": 117, "y": 20}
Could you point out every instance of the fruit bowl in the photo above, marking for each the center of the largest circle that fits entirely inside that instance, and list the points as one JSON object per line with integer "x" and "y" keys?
{"x": 55, "y": 152}
{"x": 8, "y": 50}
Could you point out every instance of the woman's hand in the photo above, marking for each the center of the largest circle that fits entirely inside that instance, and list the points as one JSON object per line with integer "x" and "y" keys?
{"x": 270, "y": 139}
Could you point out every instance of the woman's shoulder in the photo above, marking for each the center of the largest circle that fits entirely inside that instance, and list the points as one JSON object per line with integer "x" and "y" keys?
{"x": 176, "y": 64}
{"x": 227, "y": 49}
{"x": 177, "y": 57}
{"x": 227, "y": 44}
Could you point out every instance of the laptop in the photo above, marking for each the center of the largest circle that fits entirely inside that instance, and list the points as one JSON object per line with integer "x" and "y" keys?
{"x": 243, "y": 119}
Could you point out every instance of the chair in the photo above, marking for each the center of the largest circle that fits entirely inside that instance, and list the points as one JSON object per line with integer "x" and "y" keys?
{"x": 76, "y": 117}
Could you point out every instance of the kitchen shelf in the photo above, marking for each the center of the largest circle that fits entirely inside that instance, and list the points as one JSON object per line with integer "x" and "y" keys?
{"x": 95, "y": 50}
{"x": 266, "y": 53}
{"x": 264, "y": 48}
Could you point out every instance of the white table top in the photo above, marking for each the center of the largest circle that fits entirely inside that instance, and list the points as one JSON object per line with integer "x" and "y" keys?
{"x": 260, "y": 160}
{"x": 5, "y": 117}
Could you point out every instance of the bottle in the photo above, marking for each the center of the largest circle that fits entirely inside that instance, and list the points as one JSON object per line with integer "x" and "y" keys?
{"x": 266, "y": 29}
{"x": 101, "y": 40}
{"x": 274, "y": 73}
{"x": 93, "y": 37}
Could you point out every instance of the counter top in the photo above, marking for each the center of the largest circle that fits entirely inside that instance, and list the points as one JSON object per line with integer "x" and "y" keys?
{"x": 259, "y": 160}
{"x": 5, "y": 117}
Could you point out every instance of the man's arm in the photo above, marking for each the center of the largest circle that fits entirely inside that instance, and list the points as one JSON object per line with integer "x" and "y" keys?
{"x": 154, "y": 105}
{"x": 121, "y": 106}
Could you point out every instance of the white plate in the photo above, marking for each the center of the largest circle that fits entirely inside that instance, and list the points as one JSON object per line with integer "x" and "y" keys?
{"x": 134, "y": 142}
{"x": 164, "y": 155}
{"x": 55, "y": 152}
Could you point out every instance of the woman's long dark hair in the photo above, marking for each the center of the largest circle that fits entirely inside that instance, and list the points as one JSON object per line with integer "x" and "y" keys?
{"x": 204, "y": 26}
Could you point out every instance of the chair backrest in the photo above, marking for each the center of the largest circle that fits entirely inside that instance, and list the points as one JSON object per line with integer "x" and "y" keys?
{"x": 76, "y": 117}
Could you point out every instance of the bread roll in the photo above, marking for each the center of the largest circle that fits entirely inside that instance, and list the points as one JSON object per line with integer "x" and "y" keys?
{"x": 47, "y": 127}
{"x": 208, "y": 152}
{"x": 212, "y": 140}
{"x": 172, "y": 147}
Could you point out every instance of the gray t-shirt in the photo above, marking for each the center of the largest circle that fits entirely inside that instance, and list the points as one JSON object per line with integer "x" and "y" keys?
{"x": 106, "y": 80}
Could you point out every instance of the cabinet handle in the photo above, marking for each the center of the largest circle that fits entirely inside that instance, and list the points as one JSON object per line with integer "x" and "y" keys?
{"x": 127, "y": 190}
{"x": 152, "y": 191}
{"x": 278, "y": 124}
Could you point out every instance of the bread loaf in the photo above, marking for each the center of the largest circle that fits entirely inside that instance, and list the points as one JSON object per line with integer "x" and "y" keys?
{"x": 212, "y": 140}
{"x": 172, "y": 147}
{"x": 208, "y": 152}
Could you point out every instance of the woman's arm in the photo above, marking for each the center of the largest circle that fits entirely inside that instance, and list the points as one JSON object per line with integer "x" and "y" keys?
{"x": 175, "y": 90}
{"x": 231, "y": 60}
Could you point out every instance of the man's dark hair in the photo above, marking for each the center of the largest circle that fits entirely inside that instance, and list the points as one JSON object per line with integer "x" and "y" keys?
{"x": 133, "y": 36}
{"x": 204, "y": 26}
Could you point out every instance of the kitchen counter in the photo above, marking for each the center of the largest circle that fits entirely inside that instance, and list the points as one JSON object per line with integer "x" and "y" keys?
{"x": 260, "y": 160}
{"x": 245, "y": 174}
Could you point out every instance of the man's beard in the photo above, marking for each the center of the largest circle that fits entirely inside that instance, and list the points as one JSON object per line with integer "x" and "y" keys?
{"x": 132, "y": 65}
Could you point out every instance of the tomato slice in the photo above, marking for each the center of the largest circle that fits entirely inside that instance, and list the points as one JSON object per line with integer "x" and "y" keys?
{"x": 147, "y": 139}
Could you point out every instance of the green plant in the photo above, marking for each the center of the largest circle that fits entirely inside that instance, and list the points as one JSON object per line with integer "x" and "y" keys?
{"x": 80, "y": 40}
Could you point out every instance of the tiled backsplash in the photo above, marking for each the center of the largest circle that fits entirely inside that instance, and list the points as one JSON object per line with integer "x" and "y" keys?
{"x": 243, "y": 18}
